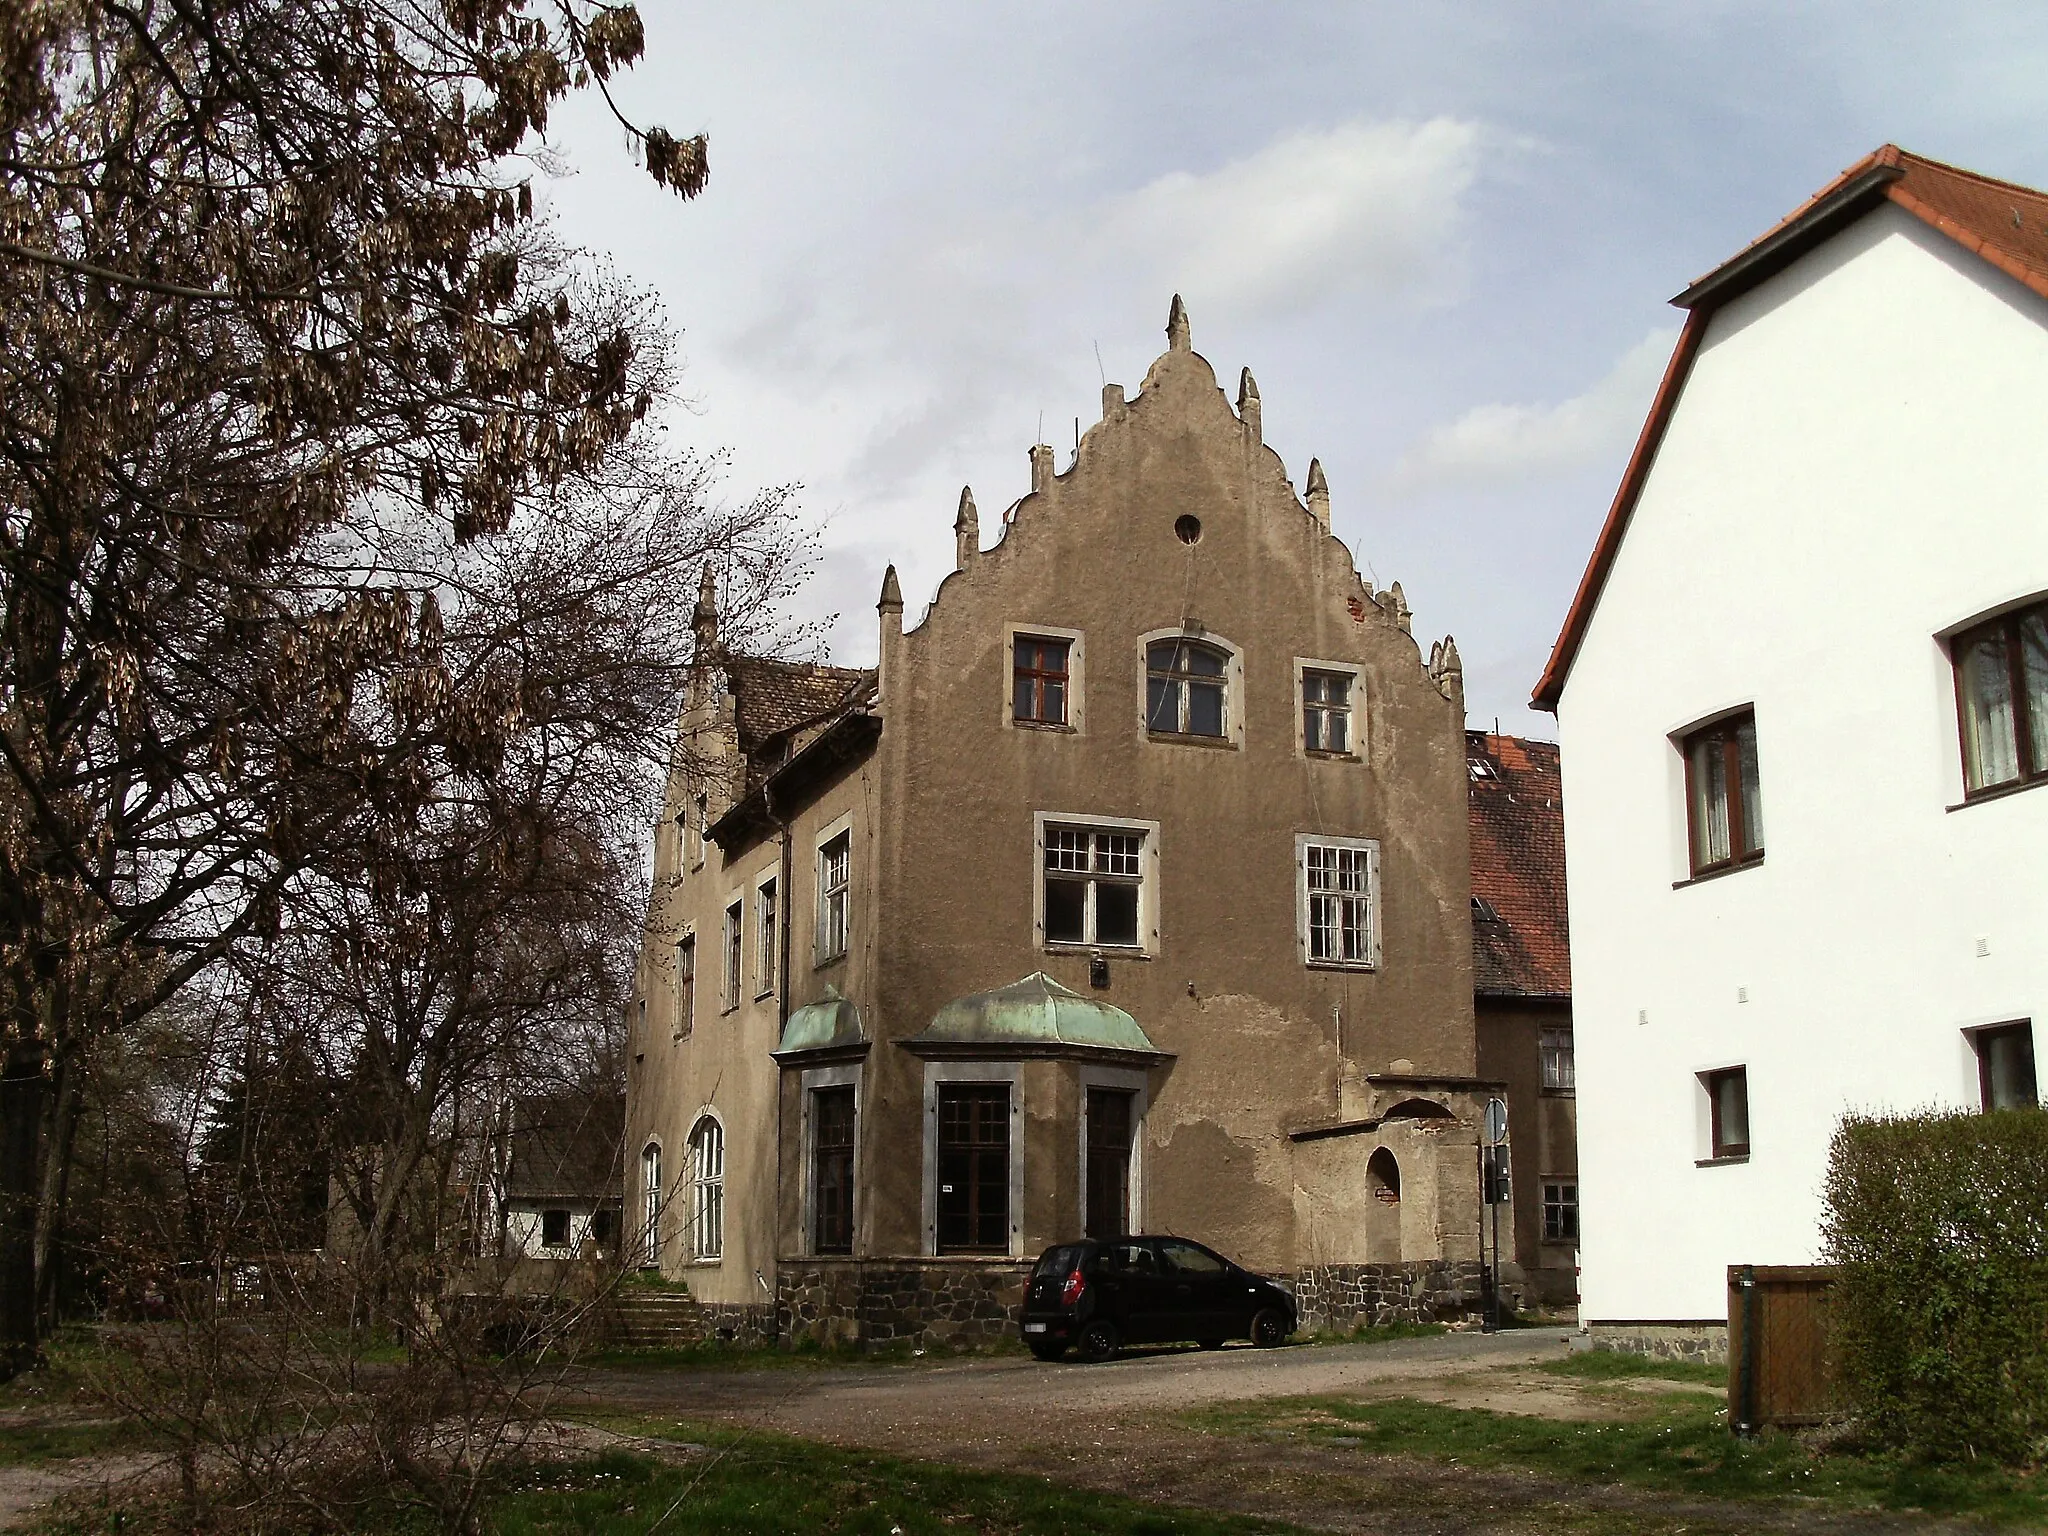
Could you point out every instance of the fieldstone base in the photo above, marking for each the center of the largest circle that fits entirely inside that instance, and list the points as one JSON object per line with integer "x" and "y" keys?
{"x": 1339, "y": 1297}
{"x": 883, "y": 1301}
{"x": 1706, "y": 1342}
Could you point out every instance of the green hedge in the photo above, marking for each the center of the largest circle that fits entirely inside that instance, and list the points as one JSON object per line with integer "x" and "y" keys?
{"x": 1939, "y": 1318}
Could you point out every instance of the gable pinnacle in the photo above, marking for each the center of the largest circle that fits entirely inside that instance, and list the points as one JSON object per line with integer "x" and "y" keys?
{"x": 1177, "y": 327}
{"x": 892, "y": 592}
{"x": 1248, "y": 409}
{"x": 1318, "y": 492}
{"x": 966, "y": 530}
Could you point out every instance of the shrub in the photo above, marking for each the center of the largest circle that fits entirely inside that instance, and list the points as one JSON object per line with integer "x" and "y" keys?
{"x": 1939, "y": 1223}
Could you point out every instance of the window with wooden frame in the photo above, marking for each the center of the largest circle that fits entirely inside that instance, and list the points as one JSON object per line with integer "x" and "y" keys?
{"x": 835, "y": 879}
{"x": 832, "y": 1128}
{"x": 2001, "y": 669}
{"x": 1326, "y": 712}
{"x": 1108, "y": 1175}
{"x": 1039, "y": 688}
{"x": 1727, "y": 1094}
{"x": 1560, "y": 1067}
{"x": 1094, "y": 886}
{"x": 767, "y": 933}
{"x": 650, "y": 1205}
{"x": 1724, "y": 802}
{"x": 1187, "y": 689}
{"x": 707, "y": 1190}
{"x": 686, "y": 985}
{"x": 2005, "y": 1066}
{"x": 1560, "y": 1210}
{"x": 1337, "y": 900}
{"x": 973, "y": 1171}
{"x": 729, "y": 983}
{"x": 554, "y": 1229}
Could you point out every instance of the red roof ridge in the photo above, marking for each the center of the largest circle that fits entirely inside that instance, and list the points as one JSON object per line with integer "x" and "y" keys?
{"x": 1946, "y": 198}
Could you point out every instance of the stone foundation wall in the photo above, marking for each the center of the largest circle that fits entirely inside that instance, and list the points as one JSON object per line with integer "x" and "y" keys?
{"x": 1339, "y": 1297}
{"x": 1704, "y": 1342}
{"x": 883, "y": 1301}
{"x": 730, "y": 1322}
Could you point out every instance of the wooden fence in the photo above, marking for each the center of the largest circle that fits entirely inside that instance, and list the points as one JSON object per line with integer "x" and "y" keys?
{"x": 1779, "y": 1370}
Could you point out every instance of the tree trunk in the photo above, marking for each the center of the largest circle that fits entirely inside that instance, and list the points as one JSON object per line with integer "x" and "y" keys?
{"x": 56, "y": 1187}
{"x": 24, "y": 1090}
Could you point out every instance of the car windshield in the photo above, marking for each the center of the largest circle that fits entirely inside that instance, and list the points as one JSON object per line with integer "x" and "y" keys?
{"x": 1059, "y": 1261}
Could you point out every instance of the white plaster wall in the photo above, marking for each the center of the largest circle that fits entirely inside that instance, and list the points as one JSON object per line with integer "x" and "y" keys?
{"x": 1858, "y": 464}
{"x": 522, "y": 1231}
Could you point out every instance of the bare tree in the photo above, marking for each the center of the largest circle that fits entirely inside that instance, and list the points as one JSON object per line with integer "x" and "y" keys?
{"x": 293, "y": 387}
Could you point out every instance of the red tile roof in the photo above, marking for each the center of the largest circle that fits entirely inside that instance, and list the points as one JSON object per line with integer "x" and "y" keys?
{"x": 775, "y": 702}
{"x": 1521, "y": 945}
{"x": 2004, "y": 223}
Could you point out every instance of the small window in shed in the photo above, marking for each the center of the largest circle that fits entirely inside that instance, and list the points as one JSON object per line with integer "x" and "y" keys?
{"x": 554, "y": 1229}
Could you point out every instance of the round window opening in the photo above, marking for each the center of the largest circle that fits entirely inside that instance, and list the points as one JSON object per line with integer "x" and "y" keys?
{"x": 1187, "y": 529}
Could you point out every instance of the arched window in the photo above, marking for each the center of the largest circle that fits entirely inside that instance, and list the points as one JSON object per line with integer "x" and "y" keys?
{"x": 707, "y": 1189}
{"x": 650, "y": 1204}
{"x": 1186, "y": 688}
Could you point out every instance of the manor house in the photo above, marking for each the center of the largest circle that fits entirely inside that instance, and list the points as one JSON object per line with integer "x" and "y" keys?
{"x": 1130, "y": 892}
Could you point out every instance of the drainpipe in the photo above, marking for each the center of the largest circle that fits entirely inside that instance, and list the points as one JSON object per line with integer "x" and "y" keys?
{"x": 787, "y": 905}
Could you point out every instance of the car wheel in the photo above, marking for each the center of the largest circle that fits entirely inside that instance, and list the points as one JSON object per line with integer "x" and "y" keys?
{"x": 1047, "y": 1351}
{"x": 1097, "y": 1343}
{"x": 1209, "y": 1343}
{"x": 1271, "y": 1327}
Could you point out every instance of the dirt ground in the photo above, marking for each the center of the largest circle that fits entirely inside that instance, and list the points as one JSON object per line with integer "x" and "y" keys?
{"x": 1113, "y": 1428}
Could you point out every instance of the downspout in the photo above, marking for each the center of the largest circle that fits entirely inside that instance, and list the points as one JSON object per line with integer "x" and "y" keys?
{"x": 786, "y": 896}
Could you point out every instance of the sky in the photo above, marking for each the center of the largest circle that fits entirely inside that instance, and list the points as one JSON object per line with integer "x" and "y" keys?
{"x": 1443, "y": 237}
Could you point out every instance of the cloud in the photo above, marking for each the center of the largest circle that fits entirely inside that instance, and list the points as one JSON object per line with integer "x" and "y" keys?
{"x": 1361, "y": 205}
{"x": 1494, "y": 443}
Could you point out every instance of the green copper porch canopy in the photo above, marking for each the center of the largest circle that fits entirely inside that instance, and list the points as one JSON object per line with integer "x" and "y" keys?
{"x": 832, "y": 1023}
{"x": 1035, "y": 1016}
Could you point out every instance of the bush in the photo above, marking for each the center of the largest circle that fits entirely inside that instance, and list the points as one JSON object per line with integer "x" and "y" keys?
{"x": 1939, "y": 1223}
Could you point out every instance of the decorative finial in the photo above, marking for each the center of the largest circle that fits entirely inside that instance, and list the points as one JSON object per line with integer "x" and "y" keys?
{"x": 892, "y": 592}
{"x": 1248, "y": 409}
{"x": 966, "y": 530}
{"x": 707, "y": 596}
{"x": 1318, "y": 492}
{"x": 1177, "y": 326}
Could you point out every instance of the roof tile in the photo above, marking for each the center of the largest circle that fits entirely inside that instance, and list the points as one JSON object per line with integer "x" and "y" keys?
{"x": 1523, "y": 948}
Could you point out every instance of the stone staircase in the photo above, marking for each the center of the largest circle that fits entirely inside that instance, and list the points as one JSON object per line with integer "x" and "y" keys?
{"x": 655, "y": 1319}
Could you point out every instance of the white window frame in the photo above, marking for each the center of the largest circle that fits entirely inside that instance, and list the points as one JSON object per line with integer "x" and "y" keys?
{"x": 809, "y": 1081}
{"x": 942, "y": 1072}
{"x": 768, "y": 916}
{"x": 820, "y": 929}
{"x": 1370, "y": 846}
{"x": 1148, "y": 881}
{"x": 1355, "y": 729}
{"x": 651, "y": 1202}
{"x": 732, "y": 952}
{"x": 700, "y": 807}
{"x": 1235, "y": 706}
{"x": 684, "y": 1015}
{"x": 1125, "y": 1080}
{"x": 706, "y": 1191}
{"x": 1076, "y": 664}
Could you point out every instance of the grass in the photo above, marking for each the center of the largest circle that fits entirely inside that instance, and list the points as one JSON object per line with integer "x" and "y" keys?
{"x": 808, "y": 1353}
{"x": 761, "y": 1484}
{"x": 1679, "y": 1444}
{"x": 1612, "y": 1365}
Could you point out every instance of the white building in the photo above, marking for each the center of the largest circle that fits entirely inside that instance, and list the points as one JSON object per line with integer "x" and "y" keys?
{"x": 1802, "y": 695}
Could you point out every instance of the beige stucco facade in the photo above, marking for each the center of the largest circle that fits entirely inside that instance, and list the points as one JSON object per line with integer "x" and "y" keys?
{"x": 1271, "y": 1078}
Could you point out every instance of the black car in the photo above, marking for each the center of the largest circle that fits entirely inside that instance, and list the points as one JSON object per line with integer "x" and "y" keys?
{"x": 1096, "y": 1296}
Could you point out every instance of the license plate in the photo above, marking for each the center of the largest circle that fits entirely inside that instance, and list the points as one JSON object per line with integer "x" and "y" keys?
{"x": 1034, "y": 1327}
